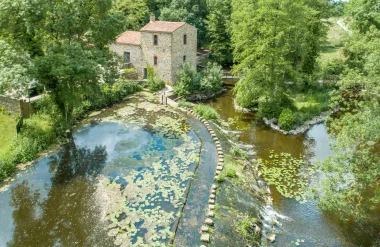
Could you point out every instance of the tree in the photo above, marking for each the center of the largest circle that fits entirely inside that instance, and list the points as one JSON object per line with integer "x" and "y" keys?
{"x": 71, "y": 38}
{"x": 218, "y": 30}
{"x": 136, "y": 13}
{"x": 350, "y": 186}
{"x": 14, "y": 66}
{"x": 191, "y": 11}
{"x": 273, "y": 46}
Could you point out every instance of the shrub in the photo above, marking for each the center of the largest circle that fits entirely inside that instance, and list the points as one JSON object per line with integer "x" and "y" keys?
{"x": 187, "y": 81}
{"x": 184, "y": 103}
{"x": 287, "y": 119}
{"x": 220, "y": 178}
{"x": 129, "y": 71}
{"x": 6, "y": 168}
{"x": 246, "y": 227}
{"x": 207, "y": 112}
{"x": 36, "y": 135}
{"x": 273, "y": 109}
{"x": 231, "y": 172}
{"x": 154, "y": 83}
{"x": 211, "y": 78}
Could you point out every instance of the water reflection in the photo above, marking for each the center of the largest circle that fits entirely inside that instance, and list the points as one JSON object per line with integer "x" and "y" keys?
{"x": 67, "y": 215}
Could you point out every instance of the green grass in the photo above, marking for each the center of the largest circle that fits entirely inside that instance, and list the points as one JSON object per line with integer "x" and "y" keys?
{"x": 336, "y": 37}
{"x": 207, "y": 112}
{"x": 7, "y": 132}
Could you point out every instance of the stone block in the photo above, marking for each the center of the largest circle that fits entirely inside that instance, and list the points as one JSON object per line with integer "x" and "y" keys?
{"x": 212, "y": 196}
{"x": 211, "y": 201}
{"x": 214, "y": 187}
{"x": 213, "y": 191}
{"x": 211, "y": 214}
{"x": 219, "y": 168}
{"x": 217, "y": 173}
{"x": 205, "y": 238}
{"x": 204, "y": 229}
{"x": 209, "y": 222}
{"x": 211, "y": 207}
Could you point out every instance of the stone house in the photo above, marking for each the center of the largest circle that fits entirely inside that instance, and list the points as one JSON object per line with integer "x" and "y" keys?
{"x": 163, "y": 45}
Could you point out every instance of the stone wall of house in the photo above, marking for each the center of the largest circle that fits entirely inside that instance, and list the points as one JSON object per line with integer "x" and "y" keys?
{"x": 163, "y": 52}
{"x": 179, "y": 49}
{"x": 137, "y": 59}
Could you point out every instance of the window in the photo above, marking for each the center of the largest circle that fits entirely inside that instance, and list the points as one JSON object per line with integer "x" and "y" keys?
{"x": 155, "y": 60}
{"x": 155, "y": 39}
{"x": 185, "y": 39}
{"x": 184, "y": 59}
{"x": 145, "y": 73}
{"x": 127, "y": 57}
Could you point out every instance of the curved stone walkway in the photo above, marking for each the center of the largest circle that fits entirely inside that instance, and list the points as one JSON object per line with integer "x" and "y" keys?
{"x": 196, "y": 220}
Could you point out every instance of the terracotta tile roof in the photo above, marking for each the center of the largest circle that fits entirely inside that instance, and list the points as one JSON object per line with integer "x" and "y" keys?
{"x": 162, "y": 26}
{"x": 129, "y": 38}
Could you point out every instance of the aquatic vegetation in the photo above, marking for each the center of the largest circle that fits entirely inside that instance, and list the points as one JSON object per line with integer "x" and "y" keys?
{"x": 144, "y": 198}
{"x": 288, "y": 174}
{"x": 231, "y": 172}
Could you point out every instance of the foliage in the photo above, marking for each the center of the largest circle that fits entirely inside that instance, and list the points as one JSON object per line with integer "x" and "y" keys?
{"x": 184, "y": 103}
{"x": 129, "y": 71}
{"x": 13, "y": 70}
{"x": 67, "y": 42}
{"x": 273, "y": 46}
{"x": 207, "y": 112}
{"x": 247, "y": 227}
{"x": 332, "y": 69}
{"x": 193, "y": 12}
{"x": 350, "y": 185}
{"x": 273, "y": 109}
{"x": 154, "y": 82}
{"x": 231, "y": 172}
{"x": 238, "y": 153}
{"x": 136, "y": 13}
{"x": 287, "y": 119}
{"x": 220, "y": 178}
{"x": 218, "y": 30}
{"x": 187, "y": 81}
{"x": 211, "y": 78}
{"x": 288, "y": 174}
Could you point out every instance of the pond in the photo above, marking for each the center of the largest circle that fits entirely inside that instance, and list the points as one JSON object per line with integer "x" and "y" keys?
{"x": 120, "y": 181}
{"x": 294, "y": 221}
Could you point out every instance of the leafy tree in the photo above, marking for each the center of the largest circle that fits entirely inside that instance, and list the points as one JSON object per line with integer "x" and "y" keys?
{"x": 71, "y": 38}
{"x": 218, "y": 30}
{"x": 186, "y": 80}
{"x": 351, "y": 185}
{"x": 136, "y": 12}
{"x": 211, "y": 78}
{"x": 191, "y": 11}
{"x": 13, "y": 70}
{"x": 270, "y": 46}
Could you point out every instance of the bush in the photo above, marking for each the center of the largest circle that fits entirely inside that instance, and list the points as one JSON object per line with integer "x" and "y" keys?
{"x": 287, "y": 119}
{"x": 207, "y": 112}
{"x": 129, "y": 71}
{"x": 273, "y": 109}
{"x": 184, "y": 103}
{"x": 231, "y": 172}
{"x": 211, "y": 78}
{"x": 6, "y": 169}
{"x": 187, "y": 81}
{"x": 154, "y": 83}
{"x": 36, "y": 135}
{"x": 220, "y": 178}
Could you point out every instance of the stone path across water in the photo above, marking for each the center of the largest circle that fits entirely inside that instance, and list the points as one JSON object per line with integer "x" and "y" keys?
{"x": 196, "y": 208}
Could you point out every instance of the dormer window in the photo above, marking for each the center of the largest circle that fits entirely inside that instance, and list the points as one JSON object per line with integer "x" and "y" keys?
{"x": 185, "y": 39}
{"x": 155, "y": 39}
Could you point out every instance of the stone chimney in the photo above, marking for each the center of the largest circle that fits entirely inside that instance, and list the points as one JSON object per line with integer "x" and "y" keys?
{"x": 152, "y": 18}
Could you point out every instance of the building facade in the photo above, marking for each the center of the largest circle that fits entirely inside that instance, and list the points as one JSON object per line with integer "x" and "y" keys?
{"x": 163, "y": 45}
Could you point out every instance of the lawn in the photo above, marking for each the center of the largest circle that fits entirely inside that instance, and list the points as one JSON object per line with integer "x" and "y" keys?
{"x": 333, "y": 48}
{"x": 7, "y": 132}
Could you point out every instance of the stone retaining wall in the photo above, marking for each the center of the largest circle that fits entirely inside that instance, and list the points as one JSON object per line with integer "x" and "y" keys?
{"x": 11, "y": 105}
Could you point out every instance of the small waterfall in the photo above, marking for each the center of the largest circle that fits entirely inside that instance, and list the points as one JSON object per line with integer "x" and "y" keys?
{"x": 271, "y": 219}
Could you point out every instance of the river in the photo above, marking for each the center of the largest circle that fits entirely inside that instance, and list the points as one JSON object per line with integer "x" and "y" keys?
{"x": 302, "y": 222}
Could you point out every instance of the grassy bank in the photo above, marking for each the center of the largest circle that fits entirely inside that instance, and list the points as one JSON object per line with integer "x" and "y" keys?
{"x": 7, "y": 131}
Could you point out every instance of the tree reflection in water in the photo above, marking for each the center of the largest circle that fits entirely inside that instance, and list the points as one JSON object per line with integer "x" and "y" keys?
{"x": 68, "y": 215}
